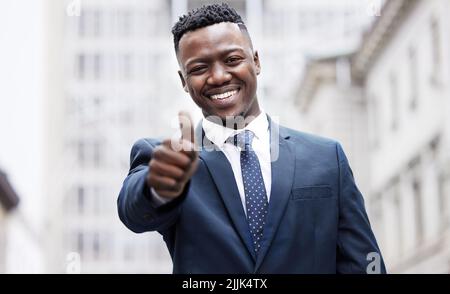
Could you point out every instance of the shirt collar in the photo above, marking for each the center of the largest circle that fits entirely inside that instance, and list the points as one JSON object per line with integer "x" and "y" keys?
{"x": 218, "y": 134}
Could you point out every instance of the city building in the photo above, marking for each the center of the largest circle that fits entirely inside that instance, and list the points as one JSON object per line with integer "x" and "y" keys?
{"x": 400, "y": 77}
{"x": 21, "y": 128}
{"x": 290, "y": 33}
{"x": 331, "y": 103}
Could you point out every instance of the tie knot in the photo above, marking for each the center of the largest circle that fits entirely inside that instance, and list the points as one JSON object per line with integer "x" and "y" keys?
{"x": 244, "y": 140}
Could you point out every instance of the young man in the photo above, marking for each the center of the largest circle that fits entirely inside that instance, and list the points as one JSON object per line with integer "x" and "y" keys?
{"x": 240, "y": 207}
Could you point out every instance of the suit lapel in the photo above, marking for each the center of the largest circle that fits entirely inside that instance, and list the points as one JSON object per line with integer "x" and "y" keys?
{"x": 283, "y": 167}
{"x": 222, "y": 174}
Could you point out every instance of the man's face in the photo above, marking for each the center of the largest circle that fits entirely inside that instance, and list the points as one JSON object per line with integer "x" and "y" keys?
{"x": 218, "y": 68}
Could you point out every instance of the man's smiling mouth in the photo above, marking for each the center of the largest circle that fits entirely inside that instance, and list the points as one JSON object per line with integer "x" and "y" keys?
{"x": 223, "y": 95}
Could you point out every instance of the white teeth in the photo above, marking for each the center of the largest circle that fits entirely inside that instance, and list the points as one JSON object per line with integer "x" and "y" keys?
{"x": 224, "y": 95}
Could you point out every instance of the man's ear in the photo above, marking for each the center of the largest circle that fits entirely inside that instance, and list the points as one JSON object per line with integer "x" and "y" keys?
{"x": 257, "y": 64}
{"x": 183, "y": 81}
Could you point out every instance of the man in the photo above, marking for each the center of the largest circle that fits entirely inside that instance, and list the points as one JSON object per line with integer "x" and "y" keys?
{"x": 264, "y": 199}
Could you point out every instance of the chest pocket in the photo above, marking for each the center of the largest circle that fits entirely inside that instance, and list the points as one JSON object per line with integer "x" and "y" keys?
{"x": 311, "y": 193}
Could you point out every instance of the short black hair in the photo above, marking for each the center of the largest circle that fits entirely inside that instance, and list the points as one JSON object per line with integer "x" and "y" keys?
{"x": 205, "y": 16}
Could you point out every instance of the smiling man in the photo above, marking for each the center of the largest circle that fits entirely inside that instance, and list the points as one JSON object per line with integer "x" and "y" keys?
{"x": 240, "y": 207}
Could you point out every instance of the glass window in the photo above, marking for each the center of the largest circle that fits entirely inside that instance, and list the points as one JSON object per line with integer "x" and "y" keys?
{"x": 97, "y": 153}
{"x": 436, "y": 49}
{"x": 393, "y": 84}
{"x": 97, "y": 22}
{"x": 97, "y": 66}
{"x": 412, "y": 55}
{"x": 374, "y": 121}
{"x": 80, "y": 243}
{"x": 81, "y": 199}
{"x": 81, "y": 66}
{"x": 81, "y": 153}
{"x": 82, "y": 23}
{"x": 124, "y": 22}
{"x": 418, "y": 210}
{"x": 96, "y": 246}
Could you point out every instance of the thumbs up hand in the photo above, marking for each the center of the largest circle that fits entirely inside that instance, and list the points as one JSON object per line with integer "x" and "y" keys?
{"x": 174, "y": 161}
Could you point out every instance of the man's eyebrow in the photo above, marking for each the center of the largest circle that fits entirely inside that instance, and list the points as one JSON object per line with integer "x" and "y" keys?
{"x": 205, "y": 59}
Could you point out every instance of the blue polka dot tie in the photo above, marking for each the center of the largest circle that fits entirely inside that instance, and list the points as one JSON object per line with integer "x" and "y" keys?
{"x": 255, "y": 191}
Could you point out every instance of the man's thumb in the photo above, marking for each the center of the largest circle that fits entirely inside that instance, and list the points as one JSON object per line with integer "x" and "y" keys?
{"x": 186, "y": 126}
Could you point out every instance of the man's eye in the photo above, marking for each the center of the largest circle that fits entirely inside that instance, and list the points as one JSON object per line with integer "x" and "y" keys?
{"x": 233, "y": 60}
{"x": 197, "y": 69}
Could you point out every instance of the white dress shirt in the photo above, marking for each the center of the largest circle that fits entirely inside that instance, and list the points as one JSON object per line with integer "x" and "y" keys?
{"x": 261, "y": 145}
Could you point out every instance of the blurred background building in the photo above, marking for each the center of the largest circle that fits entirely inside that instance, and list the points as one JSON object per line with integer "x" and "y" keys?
{"x": 87, "y": 78}
{"x": 389, "y": 103}
{"x": 21, "y": 137}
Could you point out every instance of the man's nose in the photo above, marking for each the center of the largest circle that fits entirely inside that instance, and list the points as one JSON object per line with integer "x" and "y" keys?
{"x": 219, "y": 75}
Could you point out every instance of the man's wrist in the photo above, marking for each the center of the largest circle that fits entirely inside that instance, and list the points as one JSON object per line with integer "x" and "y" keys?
{"x": 156, "y": 199}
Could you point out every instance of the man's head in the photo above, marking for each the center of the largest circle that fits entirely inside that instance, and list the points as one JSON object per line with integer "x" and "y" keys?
{"x": 218, "y": 66}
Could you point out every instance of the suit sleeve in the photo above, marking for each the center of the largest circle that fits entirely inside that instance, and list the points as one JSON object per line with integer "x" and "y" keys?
{"x": 135, "y": 206}
{"x": 357, "y": 247}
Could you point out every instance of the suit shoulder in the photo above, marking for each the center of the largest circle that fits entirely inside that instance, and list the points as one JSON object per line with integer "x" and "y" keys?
{"x": 311, "y": 139}
{"x": 316, "y": 147}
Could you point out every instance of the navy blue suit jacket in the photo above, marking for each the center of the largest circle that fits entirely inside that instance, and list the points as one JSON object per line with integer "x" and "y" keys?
{"x": 316, "y": 222}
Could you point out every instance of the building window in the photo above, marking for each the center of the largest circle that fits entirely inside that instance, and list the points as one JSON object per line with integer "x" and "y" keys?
{"x": 374, "y": 121}
{"x": 157, "y": 21}
{"x": 97, "y": 22}
{"x": 80, "y": 199}
{"x": 436, "y": 51}
{"x": 90, "y": 153}
{"x": 80, "y": 243}
{"x": 393, "y": 85}
{"x": 81, "y": 66}
{"x": 398, "y": 212}
{"x": 126, "y": 68}
{"x": 97, "y": 68}
{"x": 81, "y": 153}
{"x": 97, "y": 153}
{"x": 97, "y": 201}
{"x": 90, "y": 23}
{"x": 96, "y": 246}
{"x": 418, "y": 210}
{"x": 124, "y": 24}
{"x": 89, "y": 66}
{"x": 414, "y": 81}
{"x": 82, "y": 23}
{"x": 97, "y": 106}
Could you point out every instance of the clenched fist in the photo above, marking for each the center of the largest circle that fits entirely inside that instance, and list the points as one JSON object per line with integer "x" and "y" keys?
{"x": 174, "y": 161}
